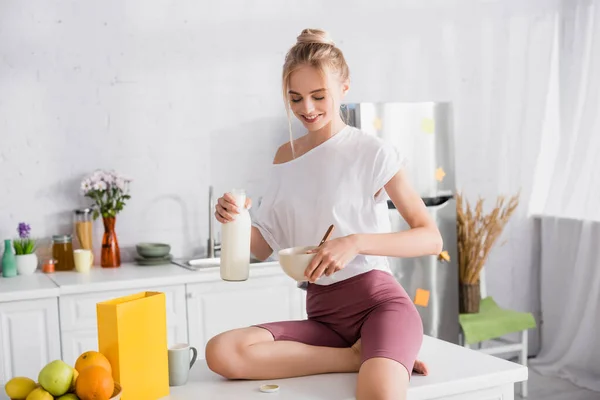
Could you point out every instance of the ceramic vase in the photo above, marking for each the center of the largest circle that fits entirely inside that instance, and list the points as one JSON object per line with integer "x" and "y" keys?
{"x": 9, "y": 262}
{"x": 111, "y": 254}
{"x": 26, "y": 263}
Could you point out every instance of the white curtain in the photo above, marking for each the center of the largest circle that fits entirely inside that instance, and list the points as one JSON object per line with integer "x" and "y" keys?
{"x": 567, "y": 199}
{"x": 569, "y": 180}
{"x": 570, "y": 286}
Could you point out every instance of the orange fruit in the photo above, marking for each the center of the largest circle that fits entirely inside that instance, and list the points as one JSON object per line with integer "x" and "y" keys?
{"x": 94, "y": 383}
{"x": 90, "y": 358}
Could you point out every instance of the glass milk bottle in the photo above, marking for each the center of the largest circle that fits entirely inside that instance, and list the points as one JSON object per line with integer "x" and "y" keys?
{"x": 235, "y": 242}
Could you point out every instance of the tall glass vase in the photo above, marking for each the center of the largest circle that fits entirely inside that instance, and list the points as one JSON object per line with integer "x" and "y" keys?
{"x": 111, "y": 255}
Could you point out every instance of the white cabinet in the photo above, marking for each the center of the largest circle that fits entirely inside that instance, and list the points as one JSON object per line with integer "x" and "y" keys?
{"x": 215, "y": 307}
{"x": 29, "y": 337}
{"x": 78, "y": 323}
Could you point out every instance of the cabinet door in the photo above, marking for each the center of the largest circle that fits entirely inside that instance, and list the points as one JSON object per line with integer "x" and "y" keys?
{"x": 79, "y": 328}
{"x": 29, "y": 337}
{"x": 215, "y": 307}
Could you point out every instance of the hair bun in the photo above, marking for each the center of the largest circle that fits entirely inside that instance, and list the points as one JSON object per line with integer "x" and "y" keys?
{"x": 309, "y": 36}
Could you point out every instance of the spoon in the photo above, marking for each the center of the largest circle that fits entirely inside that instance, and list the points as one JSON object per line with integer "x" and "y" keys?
{"x": 327, "y": 235}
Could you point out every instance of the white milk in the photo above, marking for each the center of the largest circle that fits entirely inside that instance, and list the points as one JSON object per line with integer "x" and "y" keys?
{"x": 235, "y": 242}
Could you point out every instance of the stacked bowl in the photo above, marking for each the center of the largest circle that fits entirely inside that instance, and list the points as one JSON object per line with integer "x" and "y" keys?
{"x": 153, "y": 253}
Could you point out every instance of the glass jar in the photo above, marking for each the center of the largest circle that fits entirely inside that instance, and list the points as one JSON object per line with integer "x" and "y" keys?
{"x": 48, "y": 266}
{"x": 62, "y": 252}
{"x": 83, "y": 228}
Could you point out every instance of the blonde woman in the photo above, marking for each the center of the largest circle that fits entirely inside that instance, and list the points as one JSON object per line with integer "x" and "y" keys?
{"x": 359, "y": 317}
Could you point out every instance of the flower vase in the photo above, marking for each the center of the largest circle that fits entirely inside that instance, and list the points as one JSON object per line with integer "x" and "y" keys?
{"x": 9, "y": 262}
{"x": 111, "y": 255}
{"x": 469, "y": 298}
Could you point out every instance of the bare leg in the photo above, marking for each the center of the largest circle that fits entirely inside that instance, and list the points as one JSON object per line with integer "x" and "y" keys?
{"x": 382, "y": 379}
{"x": 251, "y": 353}
{"x": 419, "y": 368}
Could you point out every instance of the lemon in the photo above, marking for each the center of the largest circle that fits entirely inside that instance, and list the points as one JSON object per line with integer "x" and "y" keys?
{"x": 68, "y": 396}
{"x": 19, "y": 387}
{"x": 75, "y": 376}
{"x": 39, "y": 394}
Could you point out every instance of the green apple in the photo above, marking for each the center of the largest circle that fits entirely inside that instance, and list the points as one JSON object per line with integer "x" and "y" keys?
{"x": 56, "y": 377}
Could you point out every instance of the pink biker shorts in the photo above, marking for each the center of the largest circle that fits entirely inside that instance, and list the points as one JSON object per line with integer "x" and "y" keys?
{"x": 372, "y": 306}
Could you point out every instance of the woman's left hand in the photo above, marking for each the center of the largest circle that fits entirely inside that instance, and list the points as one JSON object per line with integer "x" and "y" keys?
{"x": 331, "y": 257}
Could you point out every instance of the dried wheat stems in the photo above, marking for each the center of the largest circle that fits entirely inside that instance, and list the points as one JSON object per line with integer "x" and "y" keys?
{"x": 477, "y": 232}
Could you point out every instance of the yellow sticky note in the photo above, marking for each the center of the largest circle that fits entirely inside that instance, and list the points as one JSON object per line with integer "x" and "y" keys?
{"x": 422, "y": 297}
{"x": 444, "y": 256}
{"x": 427, "y": 125}
{"x": 440, "y": 174}
{"x": 377, "y": 124}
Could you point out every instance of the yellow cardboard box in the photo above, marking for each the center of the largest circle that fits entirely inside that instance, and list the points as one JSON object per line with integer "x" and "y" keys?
{"x": 132, "y": 334}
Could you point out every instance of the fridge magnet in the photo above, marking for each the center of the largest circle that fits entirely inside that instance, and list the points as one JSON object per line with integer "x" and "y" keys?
{"x": 444, "y": 256}
{"x": 422, "y": 297}
{"x": 440, "y": 174}
{"x": 377, "y": 124}
{"x": 427, "y": 125}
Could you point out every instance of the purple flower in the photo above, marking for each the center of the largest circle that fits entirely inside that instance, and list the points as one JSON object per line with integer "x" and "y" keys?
{"x": 24, "y": 230}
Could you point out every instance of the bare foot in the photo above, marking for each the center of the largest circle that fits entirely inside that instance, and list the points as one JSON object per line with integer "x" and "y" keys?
{"x": 419, "y": 368}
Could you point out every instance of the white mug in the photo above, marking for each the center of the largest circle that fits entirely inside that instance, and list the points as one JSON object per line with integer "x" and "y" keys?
{"x": 180, "y": 363}
{"x": 84, "y": 259}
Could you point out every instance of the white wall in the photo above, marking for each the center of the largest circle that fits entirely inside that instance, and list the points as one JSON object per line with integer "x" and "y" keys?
{"x": 183, "y": 94}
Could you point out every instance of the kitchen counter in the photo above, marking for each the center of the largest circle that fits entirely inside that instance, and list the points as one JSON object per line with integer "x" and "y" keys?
{"x": 27, "y": 287}
{"x": 127, "y": 276}
{"x": 455, "y": 373}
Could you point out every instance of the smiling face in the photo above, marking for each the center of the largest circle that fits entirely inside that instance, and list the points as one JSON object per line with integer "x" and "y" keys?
{"x": 314, "y": 97}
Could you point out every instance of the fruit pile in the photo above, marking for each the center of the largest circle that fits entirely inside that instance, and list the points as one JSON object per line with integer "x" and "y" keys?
{"x": 90, "y": 379}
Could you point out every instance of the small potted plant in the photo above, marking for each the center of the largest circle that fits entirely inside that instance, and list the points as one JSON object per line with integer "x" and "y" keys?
{"x": 109, "y": 191}
{"x": 24, "y": 246}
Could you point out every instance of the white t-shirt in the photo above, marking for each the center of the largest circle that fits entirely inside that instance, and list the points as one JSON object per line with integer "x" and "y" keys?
{"x": 334, "y": 183}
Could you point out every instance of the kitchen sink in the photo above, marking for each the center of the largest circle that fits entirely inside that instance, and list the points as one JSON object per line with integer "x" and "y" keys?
{"x": 196, "y": 264}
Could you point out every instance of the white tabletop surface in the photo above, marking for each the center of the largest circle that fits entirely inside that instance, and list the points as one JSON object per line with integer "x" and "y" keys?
{"x": 453, "y": 369}
{"x": 25, "y": 287}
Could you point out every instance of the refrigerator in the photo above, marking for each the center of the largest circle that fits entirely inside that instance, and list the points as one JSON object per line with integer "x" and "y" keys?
{"x": 423, "y": 132}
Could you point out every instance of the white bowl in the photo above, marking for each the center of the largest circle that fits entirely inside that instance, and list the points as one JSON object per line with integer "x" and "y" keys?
{"x": 294, "y": 261}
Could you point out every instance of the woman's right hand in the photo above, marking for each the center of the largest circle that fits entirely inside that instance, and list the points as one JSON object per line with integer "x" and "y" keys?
{"x": 226, "y": 209}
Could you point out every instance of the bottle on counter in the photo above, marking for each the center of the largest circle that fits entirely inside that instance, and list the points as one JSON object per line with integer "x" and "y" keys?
{"x": 9, "y": 261}
{"x": 235, "y": 242}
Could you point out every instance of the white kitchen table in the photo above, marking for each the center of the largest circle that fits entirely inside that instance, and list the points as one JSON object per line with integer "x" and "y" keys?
{"x": 456, "y": 373}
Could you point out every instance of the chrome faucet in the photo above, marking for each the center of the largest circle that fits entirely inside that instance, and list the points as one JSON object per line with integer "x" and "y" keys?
{"x": 213, "y": 247}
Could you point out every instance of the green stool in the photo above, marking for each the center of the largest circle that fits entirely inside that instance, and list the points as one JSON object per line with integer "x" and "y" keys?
{"x": 492, "y": 322}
